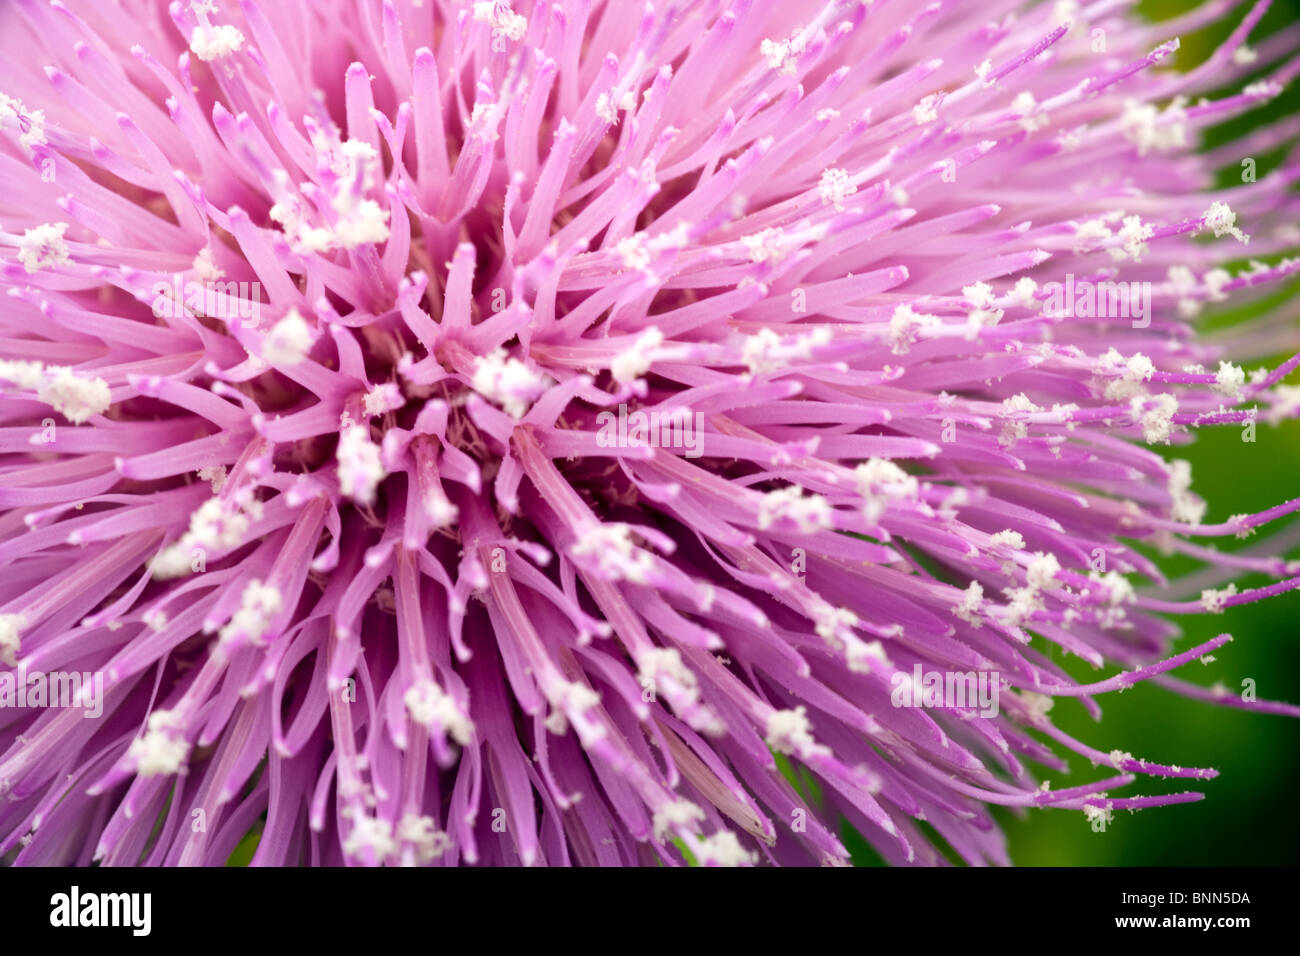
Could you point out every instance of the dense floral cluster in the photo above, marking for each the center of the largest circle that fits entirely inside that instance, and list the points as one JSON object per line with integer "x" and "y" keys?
{"x": 465, "y": 433}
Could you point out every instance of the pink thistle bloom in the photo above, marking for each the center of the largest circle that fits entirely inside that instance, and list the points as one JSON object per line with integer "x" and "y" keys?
{"x": 488, "y": 433}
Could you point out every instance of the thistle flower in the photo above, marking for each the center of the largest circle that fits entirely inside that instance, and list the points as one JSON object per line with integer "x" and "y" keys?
{"x": 476, "y": 433}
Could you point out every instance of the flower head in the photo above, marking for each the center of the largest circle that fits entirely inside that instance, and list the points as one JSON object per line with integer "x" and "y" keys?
{"x": 428, "y": 416}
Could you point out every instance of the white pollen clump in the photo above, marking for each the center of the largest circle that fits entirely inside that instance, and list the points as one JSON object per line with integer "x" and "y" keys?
{"x": 774, "y": 51}
{"x": 1285, "y": 404}
{"x": 1094, "y": 814}
{"x": 1244, "y": 55}
{"x": 1008, "y": 539}
{"x": 1264, "y": 89}
{"x": 205, "y": 266}
{"x": 1158, "y": 421}
{"x": 216, "y": 475}
{"x": 1229, "y": 379}
{"x": 480, "y": 116}
{"x": 835, "y": 187}
{"x": 1243, "y": 529}
{"x": 1024, "y": 602}
{"x": 1221, "y": 220}
{"x": 258, "y": 606}
{"x": 967, "y": 609}
{"x": 635, "y": 360}
{"x": 1133, "y": 235}
{"x": 615, "y": 553}
{"x": 1151, "y": 130}
{"x": 874, "y": 474}
{"x": 216, "y": 525}
{"x": 1070, "y": 140}
{"x": 568, "y": 698}
{"x": 1119, "y": 757}
{"x": 439, "y": 509}
{"x": 859, "y": 654}
{"x": 12, "y": 116}
{"x": 723, "y": 849}
{"x": 1024, "y": 104}
{"x": 1183, "y": 282}
{"x": 606, "y": 107}
{"x": 210, "y": 43}
{"x": 1133, "y": 373}
{"x": 783, "y": 54}
{"x": 1119, "y": 590}
{"x": 162, "y": 751}
{"x": 811, "y": 513}
{"x": 904, "y": 325}
{"x": 978, "y": 319}
{"x": 984, "y": 69}
{"x": 360, "y": 221}
{"x": 508, "y": 382}
{"x": 504, "y": 21}
{"x": 1042, "y": 571}
{"x": 1013, "y": 429}
{"x": 1038, "y": 705}
{"x": 1214, "y": 601}
{"x": 428, "y": 704}
{"x": 363, "y": 223}
{"x": 43, "y": 247}
{"x": 1184, "y": 506}
{"x": 1064, "y": 11}
{"x": 1065, "y": 413}
{"x": 1214, "y": 281}
{"x": 766, "y": 351}
{"x": 28, "y": 376}
{"x": 11, "y": 626}
{"x": 423, "y": 835}
{"x": 768, "y": 245}
{"x": 664, "y": 664}
{"x": 360, "y": 466}
{"x": 76, "y": 398}
{"x": 626, "y": 103}
{"x": 1139, "y": 368}
{"x": 381, "y": 398}
{"x": 926, "y": 111}
{"x": 790, "y": 732}
{"x": 979, "y": 295}
{"x": 673, "y": 814}
{"x": 289, "y": 340}
{"x": 171, "y": 562}
{"x": 1024, "y": 292}
{"x": 880, "y": 481}
{"x": 635, "y": 251}
{"x": 373, "y": 834}
{"x": 833, "y": 622}
{"x": 1091, "y": 235}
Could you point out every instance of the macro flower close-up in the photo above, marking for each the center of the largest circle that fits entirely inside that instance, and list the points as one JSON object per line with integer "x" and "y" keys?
{"x": 610, "y": 433}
